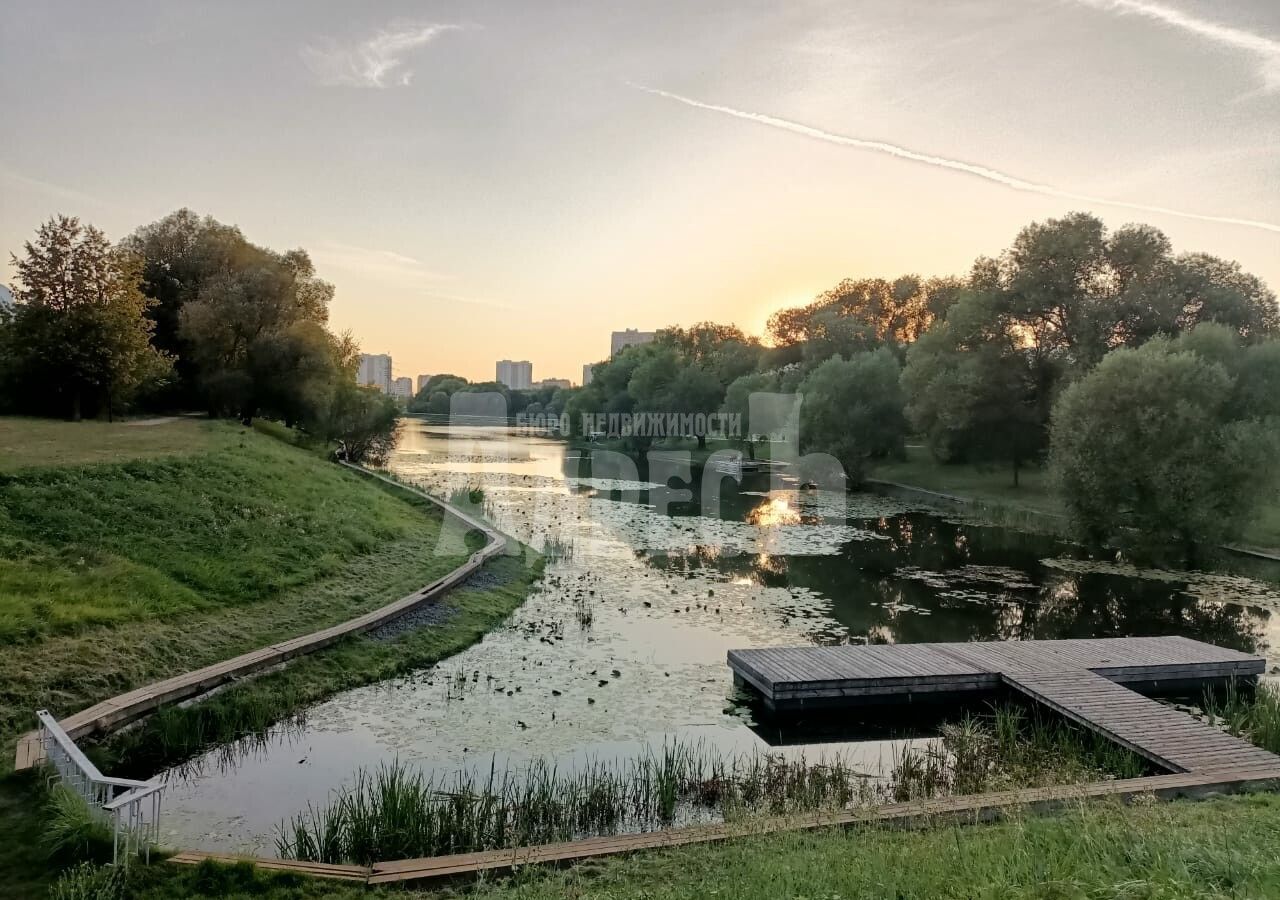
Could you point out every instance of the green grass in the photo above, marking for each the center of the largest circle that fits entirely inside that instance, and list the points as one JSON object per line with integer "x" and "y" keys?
{"x": 1227, "y": 847}
{"x": 120, "y": 572}
{"x": 697, "y": 457}
{"x": 123, "y": 573}
{"x": 175, "y": 734}
{"x": 26, "y": 443}
{"x": 240, "y": 521}
{"x": 1251, "y": 713}
{"x": 247, "y": 708}
{"x": 992, "y": 486}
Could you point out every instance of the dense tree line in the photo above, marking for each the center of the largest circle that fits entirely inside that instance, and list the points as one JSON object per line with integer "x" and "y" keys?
{"x": 184, "y": 313}
{"x": 1058, "y": 350}
{"x": 435, "y": 398}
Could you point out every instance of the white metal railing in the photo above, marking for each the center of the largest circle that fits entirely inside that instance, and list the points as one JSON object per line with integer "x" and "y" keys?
{"x": 132, "y": 807}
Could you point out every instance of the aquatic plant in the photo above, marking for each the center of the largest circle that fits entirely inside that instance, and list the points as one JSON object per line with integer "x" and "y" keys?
{"x": 1251, "y": 713}
{"x": 395, "y": 812}
{"x": 1011, "y": 746}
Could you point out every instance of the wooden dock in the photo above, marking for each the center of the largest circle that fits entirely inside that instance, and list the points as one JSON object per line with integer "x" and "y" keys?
{"x": 1092, "y": 682}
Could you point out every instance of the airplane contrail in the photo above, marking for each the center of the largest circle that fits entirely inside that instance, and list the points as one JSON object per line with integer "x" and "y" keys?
{"x": 1009, "y": 181}
{"x": 1266, "y": 49}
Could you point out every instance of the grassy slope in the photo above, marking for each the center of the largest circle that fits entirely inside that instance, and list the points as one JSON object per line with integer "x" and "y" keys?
{"x": 1035, "y": 492}
{"x": 46, "y": 442}
{"x": 122, "y": 573}
{"x": 1220, "y": 848}
{"x": 221, "y": 541}
{"x": 242, "y": 519}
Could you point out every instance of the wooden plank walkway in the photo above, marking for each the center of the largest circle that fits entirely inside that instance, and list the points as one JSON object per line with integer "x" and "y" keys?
{"x": 1171, "y": 739}
{"x": 311, "y": 869}
{"x": 1081, "y": 679}
{"x": 120, "y": 710}
{"x": 918, "y": 813}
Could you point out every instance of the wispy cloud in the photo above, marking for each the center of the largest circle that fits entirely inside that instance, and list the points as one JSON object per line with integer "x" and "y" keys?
{"x": 1265, "y": 49}
{"x": 487, "y": 302}
{"x": 398, "y": 269}
{"x": 377, "y": 263}
{"x": 377, "y": 62}
{"x": 1002, "y": 178}
{"x": 13, "y": 177}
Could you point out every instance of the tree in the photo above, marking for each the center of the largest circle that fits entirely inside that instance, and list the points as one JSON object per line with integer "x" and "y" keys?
{"x": 215, "y": 294}
{"x": 695, "y": 391}
{"x": 79, "y": 333}
{"x": 291, "y": 373}
{"x": 1077, "y": 291}
{"x": 874, "y": 310}
{"x": 737, "y": 402}
{"x": 853, "y": 410}
{"x": 255, "y": 303}
{"x": 1146, "y": 451}
{"x": 363, "y": 421}
{"x": 973, "y": 392}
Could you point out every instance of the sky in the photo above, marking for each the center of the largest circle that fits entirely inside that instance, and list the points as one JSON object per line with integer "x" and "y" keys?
{"x": 494, "y": 180}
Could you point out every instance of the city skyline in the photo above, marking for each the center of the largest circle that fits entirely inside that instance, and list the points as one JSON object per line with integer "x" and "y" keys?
{"x": 496, "y": 176}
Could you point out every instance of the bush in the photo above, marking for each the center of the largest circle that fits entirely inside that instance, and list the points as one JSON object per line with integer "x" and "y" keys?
{"x": 363, "y": 422}
{"x": 854, "y": 410}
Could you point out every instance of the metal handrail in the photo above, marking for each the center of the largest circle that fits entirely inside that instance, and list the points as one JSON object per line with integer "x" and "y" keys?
{"x": 120, "y": 799}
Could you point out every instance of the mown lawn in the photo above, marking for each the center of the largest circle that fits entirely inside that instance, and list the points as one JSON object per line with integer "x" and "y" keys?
{"x": 49, "y": 442}
{"x": 1220, "y": 848}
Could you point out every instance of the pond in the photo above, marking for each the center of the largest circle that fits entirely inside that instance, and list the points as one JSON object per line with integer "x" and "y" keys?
{"x": 622, "y": 646}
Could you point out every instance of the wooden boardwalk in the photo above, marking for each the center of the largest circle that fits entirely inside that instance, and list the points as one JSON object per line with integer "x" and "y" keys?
{"x": 1171, "y": 739}
{"x": 968, "y": 809}
{"x": 1084, "y": 680}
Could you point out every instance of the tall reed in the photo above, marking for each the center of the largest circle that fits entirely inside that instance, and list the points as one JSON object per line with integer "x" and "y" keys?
{"x": 1249, "y": 712}
{"x": 394, "y": 812}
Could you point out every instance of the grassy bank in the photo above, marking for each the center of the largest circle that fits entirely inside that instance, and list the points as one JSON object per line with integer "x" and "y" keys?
{"x": 1220, "y": 848}
{"x": 1034, "y": 495}
{"x": 697, "y": 456}
{"x": 210, "y": 541}
{"x": 117, "y": 574}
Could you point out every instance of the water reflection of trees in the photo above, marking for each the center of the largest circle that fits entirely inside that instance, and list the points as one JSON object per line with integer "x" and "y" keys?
{"x": 932, "y": 580}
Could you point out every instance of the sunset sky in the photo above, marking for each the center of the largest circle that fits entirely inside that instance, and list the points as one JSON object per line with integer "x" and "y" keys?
{"x": 514, "y": 179}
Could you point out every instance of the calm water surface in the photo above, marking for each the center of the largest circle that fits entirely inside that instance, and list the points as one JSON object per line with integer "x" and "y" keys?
{"x": 669, "y": 584}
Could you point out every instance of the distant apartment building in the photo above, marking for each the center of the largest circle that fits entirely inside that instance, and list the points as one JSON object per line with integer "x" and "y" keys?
{"x": 402, "y": 387}
{"x": 422, "y": 382}
{"x": 564, "y": 383}
{"x": 628, "y": 338}
{"x": 516, "y": 374}
{"x": 375, "y": 371}
{"x": 588, "y": 372}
